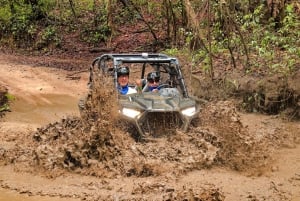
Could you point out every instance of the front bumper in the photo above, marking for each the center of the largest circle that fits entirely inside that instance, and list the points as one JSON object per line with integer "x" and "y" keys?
{"x": 156, "y": 123}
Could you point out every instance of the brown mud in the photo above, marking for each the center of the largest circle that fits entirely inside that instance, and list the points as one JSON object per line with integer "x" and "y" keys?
{"x": 48, "y": 151}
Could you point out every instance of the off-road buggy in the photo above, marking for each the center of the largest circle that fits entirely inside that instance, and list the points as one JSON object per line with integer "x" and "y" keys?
{"x": 151, "y": 113}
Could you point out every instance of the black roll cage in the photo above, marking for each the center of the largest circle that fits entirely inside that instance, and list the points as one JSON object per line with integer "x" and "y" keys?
{"x": 156, "y": 59}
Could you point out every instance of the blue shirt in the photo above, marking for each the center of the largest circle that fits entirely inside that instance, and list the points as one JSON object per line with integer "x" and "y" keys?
{"x": 126, "y": 90}
{"x": 123, "y": 90}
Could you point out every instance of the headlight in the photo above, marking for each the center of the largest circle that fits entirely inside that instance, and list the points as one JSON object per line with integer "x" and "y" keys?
{"x": 130, "y": 112}
{"x": 189, "y": 111}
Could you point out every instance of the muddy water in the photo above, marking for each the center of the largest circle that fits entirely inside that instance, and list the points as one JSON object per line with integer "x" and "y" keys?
{"x": 6, "y": 195}
{"x": 42, "y": 109}
{"x": 32, "y": 112}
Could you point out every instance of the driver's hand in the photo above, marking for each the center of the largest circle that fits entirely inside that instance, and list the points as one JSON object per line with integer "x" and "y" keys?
{"x": 138, "y": 82}
{"x": 155, "y": 90}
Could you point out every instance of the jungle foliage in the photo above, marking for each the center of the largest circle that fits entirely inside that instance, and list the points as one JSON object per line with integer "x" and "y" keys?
{"x": 249, "y": 33}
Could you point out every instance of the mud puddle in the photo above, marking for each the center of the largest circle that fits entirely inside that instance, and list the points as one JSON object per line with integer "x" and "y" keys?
{"x": 42, "y": 108}
{"x": 8, "y": 195}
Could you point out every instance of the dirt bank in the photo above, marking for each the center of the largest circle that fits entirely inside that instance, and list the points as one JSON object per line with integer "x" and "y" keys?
{"x": 48, "y": 151}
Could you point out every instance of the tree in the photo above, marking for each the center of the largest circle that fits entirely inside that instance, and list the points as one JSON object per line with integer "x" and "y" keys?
{"x": 37, "y": 13}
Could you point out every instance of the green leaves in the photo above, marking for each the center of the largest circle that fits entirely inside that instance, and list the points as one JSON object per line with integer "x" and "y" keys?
{"x": 5, "y": 106}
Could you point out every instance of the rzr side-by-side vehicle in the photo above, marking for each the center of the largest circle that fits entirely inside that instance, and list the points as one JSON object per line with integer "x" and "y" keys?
{"x": 151, "y": 112}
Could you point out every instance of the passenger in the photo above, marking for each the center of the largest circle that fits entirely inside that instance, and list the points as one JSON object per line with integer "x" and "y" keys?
{"x": 123, "y": 79}
{"x": 151, "y": 84}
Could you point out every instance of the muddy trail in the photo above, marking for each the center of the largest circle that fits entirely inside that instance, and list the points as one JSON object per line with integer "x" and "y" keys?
{"x": 48, "y": 151}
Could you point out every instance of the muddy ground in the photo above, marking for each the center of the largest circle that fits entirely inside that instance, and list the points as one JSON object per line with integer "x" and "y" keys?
{"x": 48, "y": 152}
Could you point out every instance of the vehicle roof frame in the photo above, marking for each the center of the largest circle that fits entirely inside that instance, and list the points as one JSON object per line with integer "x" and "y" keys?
{"x": 156, "y": 58}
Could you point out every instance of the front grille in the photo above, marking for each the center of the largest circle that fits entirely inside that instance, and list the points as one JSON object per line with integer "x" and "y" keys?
{"x": 161, "y": 123}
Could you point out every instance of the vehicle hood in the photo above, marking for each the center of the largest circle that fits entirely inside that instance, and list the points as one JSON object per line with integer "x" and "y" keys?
{"x": 166, "y": 100}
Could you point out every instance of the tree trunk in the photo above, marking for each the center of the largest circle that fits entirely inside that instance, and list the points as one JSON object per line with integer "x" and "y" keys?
{"x": 72, "y": 6}
{"x": 194, "y": 24}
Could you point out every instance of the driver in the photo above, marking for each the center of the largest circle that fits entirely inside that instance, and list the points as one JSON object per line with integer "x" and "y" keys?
{"x": 152, "y": 82}
{"x": 123, "y": 79}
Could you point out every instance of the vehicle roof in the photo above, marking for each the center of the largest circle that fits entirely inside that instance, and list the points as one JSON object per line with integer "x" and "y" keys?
{"x": 141, "y": 58}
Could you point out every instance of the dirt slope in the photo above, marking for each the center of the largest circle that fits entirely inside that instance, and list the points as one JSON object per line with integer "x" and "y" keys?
{"x": 48, "y": 152}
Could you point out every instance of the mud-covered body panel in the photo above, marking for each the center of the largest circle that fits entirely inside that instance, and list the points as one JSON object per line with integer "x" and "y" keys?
{"x": 165, "y": 106}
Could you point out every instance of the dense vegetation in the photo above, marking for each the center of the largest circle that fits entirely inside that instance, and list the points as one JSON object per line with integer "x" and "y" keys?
{"x": 254, "y": 36}
{"x": 240, "y": 28}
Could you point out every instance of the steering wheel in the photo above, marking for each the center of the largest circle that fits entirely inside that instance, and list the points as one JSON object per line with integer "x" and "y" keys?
{"x": 164, "y": 86}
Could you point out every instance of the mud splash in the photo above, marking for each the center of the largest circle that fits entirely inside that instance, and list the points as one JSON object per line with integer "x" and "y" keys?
{"x": 93, "y": 145}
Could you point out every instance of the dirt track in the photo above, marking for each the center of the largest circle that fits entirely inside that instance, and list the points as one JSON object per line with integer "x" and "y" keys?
{"x": 241, "y": 157}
